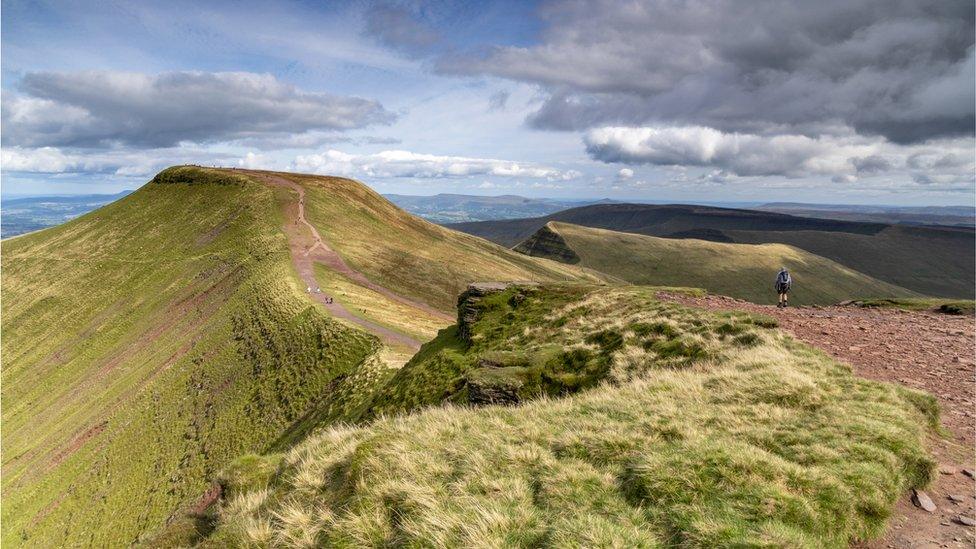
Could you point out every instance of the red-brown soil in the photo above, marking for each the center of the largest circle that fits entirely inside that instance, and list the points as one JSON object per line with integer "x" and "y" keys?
{"x": 924, "y": 350}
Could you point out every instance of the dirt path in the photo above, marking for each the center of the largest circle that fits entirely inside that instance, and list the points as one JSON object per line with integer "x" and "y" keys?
{"x": 928, "y": 351}
{"x": 308, "y": 248}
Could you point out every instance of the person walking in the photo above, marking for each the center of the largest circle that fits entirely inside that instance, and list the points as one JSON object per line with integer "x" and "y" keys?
{"x": 783, "y": 283}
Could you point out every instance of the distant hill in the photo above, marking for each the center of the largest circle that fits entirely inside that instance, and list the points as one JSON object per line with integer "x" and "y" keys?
{"x": 151, "y": 341}
{"x": 26, "y": 214}
{"x": 744, "y": 271}
{"x": 936, "y": 261}
{"x": 456, "y": 208}
{"x": 963, "y": 216}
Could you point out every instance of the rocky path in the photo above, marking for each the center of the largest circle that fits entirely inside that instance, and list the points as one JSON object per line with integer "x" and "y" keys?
{"x": 929, "y": 351}
{"x": 307, "y": 248}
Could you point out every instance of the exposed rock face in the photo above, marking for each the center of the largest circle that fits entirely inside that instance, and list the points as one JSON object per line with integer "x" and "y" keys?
{"x": 468, "y": 305}
{"x": 549, "y": 244}
{"x": 485, "y": 389}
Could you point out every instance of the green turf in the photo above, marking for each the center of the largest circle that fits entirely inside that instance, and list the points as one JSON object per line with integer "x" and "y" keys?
{"x": 145, "y": 345}
{"x": 743, "y": 271}
{"x": 695, "y": 429}
{"x": 151, "y": 341}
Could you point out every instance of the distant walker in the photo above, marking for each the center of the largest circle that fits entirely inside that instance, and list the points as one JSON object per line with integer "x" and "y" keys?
{"x": 783, "y": 283}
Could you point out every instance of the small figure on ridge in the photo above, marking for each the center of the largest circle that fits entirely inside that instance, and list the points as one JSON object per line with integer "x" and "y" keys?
{"x": 783, "y": 283}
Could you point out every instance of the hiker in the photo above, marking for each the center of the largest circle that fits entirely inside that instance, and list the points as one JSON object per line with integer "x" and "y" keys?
{"x": 783, "y": 283}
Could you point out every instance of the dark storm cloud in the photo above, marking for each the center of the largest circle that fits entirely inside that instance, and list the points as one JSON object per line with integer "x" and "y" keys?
{"x": 396, "y": 27}
{"x": 900, "y": 69}
{"x": 102, "y": 108}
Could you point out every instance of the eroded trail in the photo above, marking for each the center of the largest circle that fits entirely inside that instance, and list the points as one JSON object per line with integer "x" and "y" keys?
{"x": 929, "y": 351}
{"x": 307, "y": 248}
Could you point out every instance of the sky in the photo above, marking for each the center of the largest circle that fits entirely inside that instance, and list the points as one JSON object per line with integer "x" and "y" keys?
{"x": 834, "y": 101}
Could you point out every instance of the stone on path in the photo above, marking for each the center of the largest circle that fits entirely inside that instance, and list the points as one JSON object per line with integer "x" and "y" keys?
{"x": 964, "y": 520}
{"x": 969, "y": 473}
{"x": 923, "y": 501}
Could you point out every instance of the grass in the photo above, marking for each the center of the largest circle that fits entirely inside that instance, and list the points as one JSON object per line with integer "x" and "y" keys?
{"x": 378, "y": 308}
{"x": 145, "y": 345}
{"x": 947, "y": 306}
{"x": 148, "y": 343}
{"x": 926, "y": 260}
{"x": 682, "y": 428}
{"x": 744, "y": 271}
{"x": 423, "y": 261}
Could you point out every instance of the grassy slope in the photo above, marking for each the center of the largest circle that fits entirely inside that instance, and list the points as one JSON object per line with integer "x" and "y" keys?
{"x": 411, "y": 256}
{"x": 739, "y": 270}
{"x": 710, "y": 430}
{"x": 145, "y": 344}
{"x": 931, "y": 261}
{"x": 152, "y": 340}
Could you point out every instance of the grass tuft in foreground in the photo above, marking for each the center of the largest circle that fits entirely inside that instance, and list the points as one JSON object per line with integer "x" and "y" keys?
{"x": 676, "y": 427}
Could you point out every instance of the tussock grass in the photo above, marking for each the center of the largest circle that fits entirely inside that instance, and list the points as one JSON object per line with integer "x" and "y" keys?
{"x": 768, "y": 443}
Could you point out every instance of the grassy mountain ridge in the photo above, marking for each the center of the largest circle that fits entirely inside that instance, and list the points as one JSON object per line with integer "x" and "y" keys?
{"x": 149, "y": 342}
{"x": 937, "y": 261}
{"x": 744, "y": 271}
{"x": 146, "y": 344}
{"x": 641, "y": 423}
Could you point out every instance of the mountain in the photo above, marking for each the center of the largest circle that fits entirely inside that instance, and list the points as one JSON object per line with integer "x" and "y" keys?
{"x": 26, "y": 214}
{"x": 936, "y": 261}
{"x": 962, "y": 216}
{"x": 208, "y": 314}
{"x": 743, "y": 271}
{"x": 455, "y": 208}
{"x": 595, "y": 417}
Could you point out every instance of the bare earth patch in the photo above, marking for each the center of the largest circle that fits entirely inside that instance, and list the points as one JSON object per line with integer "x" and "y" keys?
{"x": 929, "y": 351}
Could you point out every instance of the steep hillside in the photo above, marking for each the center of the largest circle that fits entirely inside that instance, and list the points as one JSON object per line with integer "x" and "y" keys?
{"x": 414, "y": 257}
{"x": 149, "y": 342}
{"x": 744, "y": 271}
{"x": 937, "y": 261}
{"x": 660, "y": 426}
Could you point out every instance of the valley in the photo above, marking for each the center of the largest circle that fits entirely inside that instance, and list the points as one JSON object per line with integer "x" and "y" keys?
{"x": 936, "y": 261}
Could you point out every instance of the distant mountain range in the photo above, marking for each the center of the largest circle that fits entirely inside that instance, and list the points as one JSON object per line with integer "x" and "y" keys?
{"x": 906, "y": 215}
{"x": 33, "y": 213}
{"x": 457, "y": 208}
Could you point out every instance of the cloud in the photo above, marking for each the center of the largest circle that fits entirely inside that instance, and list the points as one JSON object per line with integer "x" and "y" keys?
{"x": 625, "y": 173}
{"x": 104, "y": 109}
{"x": 410, "y": 164}
{"x": 741, "y": 154}
{"x": 903, "y": 70}
{"x": 498, "y": 100}
{"x": 52, "y": 160}
{"x": 398, "y": 28}
{"x": 872, "y": 164}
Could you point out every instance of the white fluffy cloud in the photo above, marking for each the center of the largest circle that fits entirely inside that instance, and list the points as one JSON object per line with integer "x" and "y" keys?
{"x": 780, "y": 155}
{"x": 410, "y": 164}
{"x": 52, "y": 160}
{"x": 99, "y": 109}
